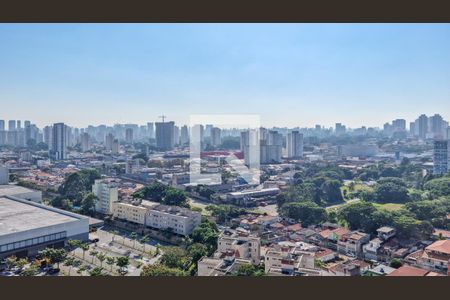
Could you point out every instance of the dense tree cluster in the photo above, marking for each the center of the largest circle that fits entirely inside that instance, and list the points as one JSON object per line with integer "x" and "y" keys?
{"x": 164, "y": 194}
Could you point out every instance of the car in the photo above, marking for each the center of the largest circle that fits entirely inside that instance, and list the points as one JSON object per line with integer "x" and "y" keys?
{"x": 96, "y": 240}
{"x": 53, "y": 271}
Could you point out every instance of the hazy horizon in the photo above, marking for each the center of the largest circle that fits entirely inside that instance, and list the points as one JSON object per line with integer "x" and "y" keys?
{"x": 289, "y": 74}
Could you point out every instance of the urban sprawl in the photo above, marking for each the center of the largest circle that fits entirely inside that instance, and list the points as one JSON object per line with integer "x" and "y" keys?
{"x": 119, "y": 200}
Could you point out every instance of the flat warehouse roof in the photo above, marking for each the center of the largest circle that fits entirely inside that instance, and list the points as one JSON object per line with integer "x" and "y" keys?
{"x": 16, "y": 216}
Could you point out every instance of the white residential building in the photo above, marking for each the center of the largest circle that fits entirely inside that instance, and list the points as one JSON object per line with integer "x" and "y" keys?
{"x": 294, "y": 144}
{"x": 178, "y": 219}
{"x": 241, "y": 245}
{"x": 107, "y": 194}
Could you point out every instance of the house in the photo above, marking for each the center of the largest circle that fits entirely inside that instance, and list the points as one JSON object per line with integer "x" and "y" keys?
{"x": 434, "y": 257}
{"x": 241, "y": 244}
{"x": 351, "y": 243}
{"x": 406, "y": 270}
{"x": 213, "y": 266}
{"x": 329, "y": 237}
{"x": 289, "y": 261}
{"x": 370, "y": 250}
{"x": 385, "y": 233}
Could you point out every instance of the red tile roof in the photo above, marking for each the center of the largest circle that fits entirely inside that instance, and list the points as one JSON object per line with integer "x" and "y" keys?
{"x": 408, "y": 271}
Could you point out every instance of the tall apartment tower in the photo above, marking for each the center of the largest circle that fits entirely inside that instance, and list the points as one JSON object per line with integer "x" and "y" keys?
{"x": 48, "y": 132}
{"x": 184, "y": 135}
{"x": 441, "y": 157}
{"x": 59, "y": 143}
{"x": 12, "y": 125}
{"x": 151, "y": 130}
{"x": 2, "y": 125}
{"x": 129, "y": 136}
{"x": 85, "y": 142}
{"x": 165, "y": 135}
{"x": 294, "y": 144}
{"x": 109, "y": 139}
{"x": 216, "y": 138}
{"x": 423, "y": 126}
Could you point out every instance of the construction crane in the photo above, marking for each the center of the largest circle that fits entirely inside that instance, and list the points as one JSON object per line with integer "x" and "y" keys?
{"x": 162, "y": 117}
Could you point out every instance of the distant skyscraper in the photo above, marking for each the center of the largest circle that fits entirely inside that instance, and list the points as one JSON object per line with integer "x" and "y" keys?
{"x": 448, "y": 133}
{"x": 48, "y": 132}
{"x": 151, "y": 130}
{"x": 85, "y": 142}
{"x": 109, "y": 141}
{"x": 2, "y": 125}
{"x": 129, "y": 136}
{"x": 164, "y": 135}
{"x": 436, "y": 126}
{"x": 216, "y": 138}
{"x": 412, "y": 128}
{"x": 176, "y": 135}
{"x": 294, "y": 144}
{"x": 184, "y": 135}
{"x": 340, "y": 129}
{"x": 441, "y": 157}
{"x": 271, "y": 147}
{"x": 115, "y": 146}
{"x": 59, "y": 142}
{"x": 12, "y": 125}
{"x": 423, "y": 126}
{"x": 399, "y": 125}
{"x": 19, "y": 125}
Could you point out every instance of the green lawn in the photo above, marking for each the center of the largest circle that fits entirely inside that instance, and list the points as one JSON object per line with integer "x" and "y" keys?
{"x": 389, "y": 206}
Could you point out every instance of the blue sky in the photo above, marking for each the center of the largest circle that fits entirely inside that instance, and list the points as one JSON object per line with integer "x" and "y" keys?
{"x": 290, "y": 74}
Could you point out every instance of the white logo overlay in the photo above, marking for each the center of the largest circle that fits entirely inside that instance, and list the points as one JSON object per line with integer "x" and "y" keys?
{"x": 247, "y": 168}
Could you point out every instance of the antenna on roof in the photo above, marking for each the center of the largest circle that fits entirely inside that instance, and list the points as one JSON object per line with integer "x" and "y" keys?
{"x": 162, "y": 117}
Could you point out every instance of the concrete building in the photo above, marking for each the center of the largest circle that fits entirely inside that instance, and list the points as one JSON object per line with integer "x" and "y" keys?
{"x": 253, "y": 193}
{"x": 85, "y": 142}
{"x": 351, "y": 243}
{"x": 359, "y": 150}
{"x": 216, "y": 138}
{"x": 165, "y": 135}
{"x": 107, "y": 194}
{"x": 271, "y": 147}
{"x": 289, "y": 261}
{"x": 294, "y": 144}
{"x": 130, "y": 212}
{"x": 109, "y": 139}
{"x": 184, "y": 135}
{"x": 441, "y": 157}
{"x": 435, "y": 257}
{"x": 177, "y": 219}
{"x": 58, "y": 149}
{"x": 241, "y": 245}
{"x": 12, "y": 190}
{"x": 27, "y": 227}
{"x": 129, "y": 135}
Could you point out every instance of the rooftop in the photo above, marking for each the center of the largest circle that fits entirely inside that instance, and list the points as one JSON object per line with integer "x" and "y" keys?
{"x": 440, "y": 246}
{"x": 17, "y": 216}
{"x": 12, "y": 189}
{"x": 406, "y": 270}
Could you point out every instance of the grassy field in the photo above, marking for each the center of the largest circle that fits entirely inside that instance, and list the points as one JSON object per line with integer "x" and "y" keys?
{"x": 389, "y": 206}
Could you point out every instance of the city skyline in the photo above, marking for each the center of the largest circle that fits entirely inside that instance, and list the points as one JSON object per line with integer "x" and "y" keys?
{"x": 290, "y": 74}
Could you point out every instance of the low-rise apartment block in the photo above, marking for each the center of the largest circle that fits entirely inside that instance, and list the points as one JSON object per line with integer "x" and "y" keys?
{"x": 178, "y": 219}
{"x": 241, "y": 244}
{"x": 351, "y": 243}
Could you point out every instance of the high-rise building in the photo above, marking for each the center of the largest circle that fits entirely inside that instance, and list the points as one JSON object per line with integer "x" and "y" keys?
{"x": 271, "y": 147}
{"x": 19, "y": 125}
{"x": 129, "y": 136}
{"x": 436, "y": 126}
{"x": 109, "y": 141}
{"x": 151, "y": 130}
{"x": 2, "y": 125}
{"x": 399, "y": 125}
{"x": 448, "y": 133}
{"x": 115, "y": 146}
{"x": 441, "y": 157}
{"x": 85, "y": 142}
{"x": 412, "y": 128}
{"x": 294, "y": 144}
{"x": 59, "y": 142}
{"x": 107, "y": 194}
{"x": 176, "y": 135}
{"x": 12, "y": 125}
{"x": 422, "y": 126}
{"x": 216, "y": 138}
{"x": 164, "y": 135}
{"x": 48, "y": 132}
{"x": 184, "y": 135}
{"x": 340, "y": 129}
{"x": 250, "y": 146}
